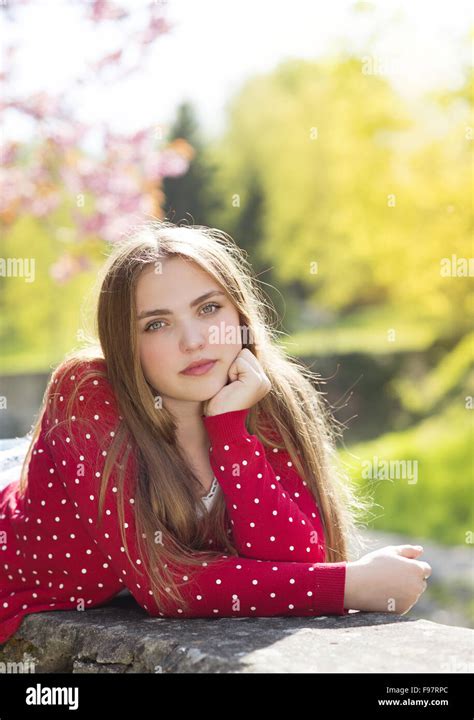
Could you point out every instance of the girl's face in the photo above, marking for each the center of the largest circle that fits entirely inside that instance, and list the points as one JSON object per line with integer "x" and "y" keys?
{"x": 177, "y": 329}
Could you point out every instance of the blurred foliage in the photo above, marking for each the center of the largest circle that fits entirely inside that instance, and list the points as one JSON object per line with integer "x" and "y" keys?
{"x": 382, "y": 330}
{"x": 362, "y": 195}
{"x": 188, "y": 196}
{"x": 454, "y": 371}
{"x": 40, "y": 321}
{"x": 440, "y": 504}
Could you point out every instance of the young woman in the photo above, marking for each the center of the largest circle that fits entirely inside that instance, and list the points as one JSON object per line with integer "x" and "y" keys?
{"x": 207, "y": 492}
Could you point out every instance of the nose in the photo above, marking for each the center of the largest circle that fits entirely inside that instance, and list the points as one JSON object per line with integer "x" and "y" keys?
{"x": 193, "y": 338}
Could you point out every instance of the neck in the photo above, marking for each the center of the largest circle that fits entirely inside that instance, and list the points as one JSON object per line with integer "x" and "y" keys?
{"x": 191, "y": 433}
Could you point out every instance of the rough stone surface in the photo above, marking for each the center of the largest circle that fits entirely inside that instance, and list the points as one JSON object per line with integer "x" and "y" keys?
{"x": 122, "y": 638}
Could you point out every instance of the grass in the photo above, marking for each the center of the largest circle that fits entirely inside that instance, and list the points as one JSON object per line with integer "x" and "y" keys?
{"x": 439, "y": 505}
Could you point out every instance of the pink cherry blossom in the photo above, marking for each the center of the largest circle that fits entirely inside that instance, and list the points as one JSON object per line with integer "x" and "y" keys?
{"x": 109, "y": 189}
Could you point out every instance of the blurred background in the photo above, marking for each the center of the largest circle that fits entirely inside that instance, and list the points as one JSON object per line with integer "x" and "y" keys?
{"x": 333, "y": 142}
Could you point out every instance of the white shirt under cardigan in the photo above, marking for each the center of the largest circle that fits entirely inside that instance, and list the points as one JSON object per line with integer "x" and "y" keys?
{"x": 209, "y": 499}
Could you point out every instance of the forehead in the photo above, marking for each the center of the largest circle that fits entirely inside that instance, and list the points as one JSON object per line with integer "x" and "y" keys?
{"x": 170, "y": 279}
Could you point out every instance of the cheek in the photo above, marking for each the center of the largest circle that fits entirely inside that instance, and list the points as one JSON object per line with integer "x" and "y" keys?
{"x": 230, "y": 335}
{"x": 156, "y": 361}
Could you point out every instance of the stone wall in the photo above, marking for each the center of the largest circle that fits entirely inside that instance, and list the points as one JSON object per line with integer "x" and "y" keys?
{"x": 122, "y": 638}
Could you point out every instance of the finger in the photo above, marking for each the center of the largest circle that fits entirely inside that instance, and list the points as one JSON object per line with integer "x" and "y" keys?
{"x": 410, "y": 551}
{"x": 245, "y": 365}
{"x": 426, "y": 568}
{"x": 240, "y": 367}
{"x": 256, "y": 365}
{"x": 249, "y": 357}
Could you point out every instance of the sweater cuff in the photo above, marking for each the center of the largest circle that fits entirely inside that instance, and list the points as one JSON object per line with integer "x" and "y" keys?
{"x": 226, "y": 426}
{"x": 331, "y": 588}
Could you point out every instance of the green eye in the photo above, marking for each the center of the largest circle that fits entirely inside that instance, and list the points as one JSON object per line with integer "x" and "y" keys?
{"x": 151, "y": 324}
{"x": 212, "y": 304}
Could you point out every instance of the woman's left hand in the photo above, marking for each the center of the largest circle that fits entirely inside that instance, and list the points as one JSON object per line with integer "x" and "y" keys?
{"x": 248, "y": 384}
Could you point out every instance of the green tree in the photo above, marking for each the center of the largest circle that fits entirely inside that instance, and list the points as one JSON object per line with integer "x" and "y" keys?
{"x": 189, "y": 195}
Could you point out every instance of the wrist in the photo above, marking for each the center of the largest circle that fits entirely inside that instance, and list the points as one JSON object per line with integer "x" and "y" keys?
{"x": 230, "y": 424}
{"x": 352, "y": 585}
{"x": 211, "y": 412}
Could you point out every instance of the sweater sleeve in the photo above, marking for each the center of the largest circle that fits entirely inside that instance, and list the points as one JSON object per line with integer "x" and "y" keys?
{"x": 231, "y": 586}
{"x": 267, "y": 522}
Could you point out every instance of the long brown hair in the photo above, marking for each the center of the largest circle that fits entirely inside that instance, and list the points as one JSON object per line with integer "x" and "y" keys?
{"x": 166, "y": 494}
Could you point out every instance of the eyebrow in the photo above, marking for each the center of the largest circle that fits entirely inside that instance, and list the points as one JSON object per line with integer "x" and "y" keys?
{"x": 165, "y": 311}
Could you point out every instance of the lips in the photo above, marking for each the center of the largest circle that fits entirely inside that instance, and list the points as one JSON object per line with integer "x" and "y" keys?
{"x": 200, "y": 369}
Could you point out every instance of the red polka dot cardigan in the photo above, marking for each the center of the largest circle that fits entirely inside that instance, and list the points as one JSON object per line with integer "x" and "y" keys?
{"x": 54, "y": 557}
